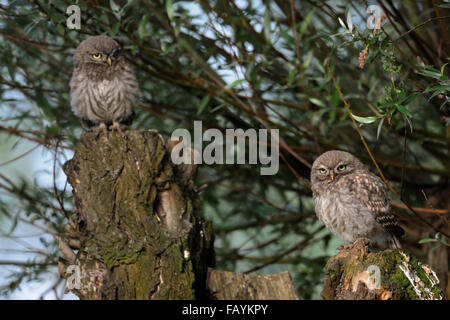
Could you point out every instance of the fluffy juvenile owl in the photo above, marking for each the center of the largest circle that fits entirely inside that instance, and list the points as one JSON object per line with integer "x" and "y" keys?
{"x": 351, "y": 201}
{"x": 103, "y": 88}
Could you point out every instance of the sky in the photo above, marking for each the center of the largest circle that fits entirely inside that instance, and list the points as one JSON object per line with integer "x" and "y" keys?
{"x": 25, "y": 236}
{"x": 35, "y": 166}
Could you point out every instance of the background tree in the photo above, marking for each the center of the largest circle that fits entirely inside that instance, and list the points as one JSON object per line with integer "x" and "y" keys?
{"x": 323, "y": 79}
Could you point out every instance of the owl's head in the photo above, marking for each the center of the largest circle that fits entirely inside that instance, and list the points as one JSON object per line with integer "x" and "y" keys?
{"x": 332, "y": 165}
{"x": 99, "y": 52}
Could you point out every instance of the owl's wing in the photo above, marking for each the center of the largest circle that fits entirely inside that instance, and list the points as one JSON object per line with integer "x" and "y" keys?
{"x": 370, "y": 190}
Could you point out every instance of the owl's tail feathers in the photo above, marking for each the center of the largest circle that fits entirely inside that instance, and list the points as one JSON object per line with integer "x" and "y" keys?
{"x": 397, "y": 233}
{"x": 394, "y": 243}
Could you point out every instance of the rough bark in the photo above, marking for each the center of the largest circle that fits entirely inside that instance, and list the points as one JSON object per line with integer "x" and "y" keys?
{"x": 357, "y": 274}
{"x": 225, "y": 285}
{"x": 139, "y": 231}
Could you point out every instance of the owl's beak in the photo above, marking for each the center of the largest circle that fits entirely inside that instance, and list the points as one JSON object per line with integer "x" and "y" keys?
{"x": 109, "y": 61}
{"x": 331, "y": 175}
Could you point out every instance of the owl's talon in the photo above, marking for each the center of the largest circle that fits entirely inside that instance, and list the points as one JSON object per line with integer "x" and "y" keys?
{"x": 101, "y": 128}
{"x": 116, "y": 127}
{"x": 345, "y": 247}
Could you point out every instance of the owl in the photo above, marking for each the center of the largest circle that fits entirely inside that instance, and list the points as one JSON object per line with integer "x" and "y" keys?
{"x": 352, "y": 202}
{"x": 103, "y": 88}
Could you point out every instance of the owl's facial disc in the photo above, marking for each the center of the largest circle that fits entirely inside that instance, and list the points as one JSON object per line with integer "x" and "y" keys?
{"x": 99, "y": 51}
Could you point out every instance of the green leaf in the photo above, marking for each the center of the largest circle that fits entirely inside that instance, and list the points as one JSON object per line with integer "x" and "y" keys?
{"x": 234, "y": 84}
{"x": 332, "y": 116}
{"x": 365, "y": 120}
{"x": 410, "y": 123}
{"x": 428, "y": 240}
{"x": 115, "y": 29}
{"x": 335, "y": 98}
{"x": 349, "y": 19}
{"x": 441, "y": 91}
{"x": 435, "y": 88}
{"x": 249, "y": 70}
{"x": 431, "y": 74}
{"x": 385, "y": 105}
{"x": 169, "y": 8}
{"x": 317, "y": 102}
{"x": 444, "y": 103}
{"x": 203, "y": 104}
{"x": 129, "y": 4}
{"x": 436, "y": 246}
{"x": 142, "y": 29}
{"x": 305, "y": 23}
{"x": 380, "y": 126}
{"x": 342, "y": 23}
{"x": 409, "y": 99}
{"x": 287, "y": 37}
{"x": 401, "y": 96}
{"x": 54, "y": 129}
{"x": 308, "y": 59}
{"x": 60, "y": 28}
{"x": 114, "y": 6}
{"x": 291, "y": 76}
{"x": 166, "y": 50}
{"x": 267, "y": 21}
{"x": 443, "y": 68}
{"x": 403, "y": 110}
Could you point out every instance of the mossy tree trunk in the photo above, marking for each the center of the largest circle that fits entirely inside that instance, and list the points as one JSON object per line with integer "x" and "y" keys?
{"x": 139, "y": 231}
{"x": 357, "y": 274}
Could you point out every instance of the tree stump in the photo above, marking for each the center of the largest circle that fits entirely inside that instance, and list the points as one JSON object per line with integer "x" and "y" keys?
{"x": 357, "y": 274}
{"x": 139, "y": 231}
{"x": 226, "y": 285}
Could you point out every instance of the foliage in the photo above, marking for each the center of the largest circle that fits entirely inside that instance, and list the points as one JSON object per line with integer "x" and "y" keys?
{"x": 243, "y": 64}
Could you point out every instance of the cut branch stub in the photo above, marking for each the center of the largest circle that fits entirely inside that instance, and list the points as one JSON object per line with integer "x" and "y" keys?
{"x": 139, "y": 229}
{"x": 357, "y": 274}
{"x": 226, "y": 285}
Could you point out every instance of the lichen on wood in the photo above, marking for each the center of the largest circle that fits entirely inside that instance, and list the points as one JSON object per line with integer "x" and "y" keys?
{"x": 357, "y": 274}
{"x": 141, "y": 236}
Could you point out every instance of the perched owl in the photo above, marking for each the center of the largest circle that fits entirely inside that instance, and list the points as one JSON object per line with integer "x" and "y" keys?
{"x": 103, "y": 89}
{"x": 351, "y": 201}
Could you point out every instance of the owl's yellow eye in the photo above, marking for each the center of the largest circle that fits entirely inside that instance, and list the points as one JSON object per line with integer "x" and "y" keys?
{"x": 97, "y": 55}
{"x": 322, "y": 170}
{"x": 341, "y": 167}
